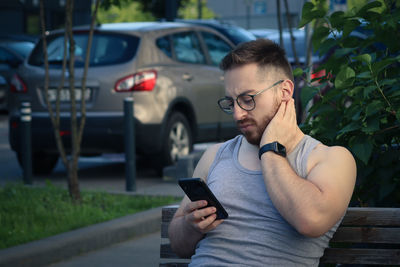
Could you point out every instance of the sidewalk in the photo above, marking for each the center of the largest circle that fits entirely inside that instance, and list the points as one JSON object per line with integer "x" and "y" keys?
{"x": 141, "y": 252}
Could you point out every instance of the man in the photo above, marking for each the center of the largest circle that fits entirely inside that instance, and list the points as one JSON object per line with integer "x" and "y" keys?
{"x": 285, "y": 192}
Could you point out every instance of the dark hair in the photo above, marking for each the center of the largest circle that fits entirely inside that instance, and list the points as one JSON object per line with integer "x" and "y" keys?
{"x": 263, "y": 52}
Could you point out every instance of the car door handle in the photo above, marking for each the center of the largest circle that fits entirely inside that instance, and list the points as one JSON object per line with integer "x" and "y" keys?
{"x": 187, "y": 77}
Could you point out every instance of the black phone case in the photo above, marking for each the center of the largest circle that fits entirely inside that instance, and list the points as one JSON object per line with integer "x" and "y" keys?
{"x": 197, "y": 189}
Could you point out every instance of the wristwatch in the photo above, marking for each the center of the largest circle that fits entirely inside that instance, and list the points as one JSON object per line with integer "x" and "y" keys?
{"x": 275, "y": 147}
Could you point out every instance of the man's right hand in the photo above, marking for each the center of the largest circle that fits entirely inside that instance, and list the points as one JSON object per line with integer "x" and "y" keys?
{"x": 201, "y": 218}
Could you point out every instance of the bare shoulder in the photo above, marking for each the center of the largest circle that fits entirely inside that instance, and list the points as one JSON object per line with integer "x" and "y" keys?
{"x": 205, "y": 161}
{"x": 336, "y": 159}
{"x": 334, "y": 154}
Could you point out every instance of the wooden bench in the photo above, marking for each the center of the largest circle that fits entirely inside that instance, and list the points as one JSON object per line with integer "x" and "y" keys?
{"x": 365, "y": 236}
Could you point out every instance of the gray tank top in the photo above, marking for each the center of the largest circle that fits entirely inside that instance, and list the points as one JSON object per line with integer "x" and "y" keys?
{"x": 255, "y": 234}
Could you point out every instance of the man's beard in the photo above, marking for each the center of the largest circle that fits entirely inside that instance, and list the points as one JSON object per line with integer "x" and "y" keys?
{"x": 255, "y": 136}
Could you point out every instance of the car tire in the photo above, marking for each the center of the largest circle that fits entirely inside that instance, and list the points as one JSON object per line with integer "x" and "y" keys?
{"x": 177, "y": 140}
{"x": 42, "y": 163}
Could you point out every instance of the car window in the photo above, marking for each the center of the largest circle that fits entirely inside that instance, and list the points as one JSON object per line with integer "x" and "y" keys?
{"x": 217, "y": 48}
{"x": 6, "y": 56}
{"x": 21, "y": 48}
{"x": 107, "y": 49}
{"x": 164, "y": 44}
{"x": 238, "y": 35}
{"x": 187, "y": 48}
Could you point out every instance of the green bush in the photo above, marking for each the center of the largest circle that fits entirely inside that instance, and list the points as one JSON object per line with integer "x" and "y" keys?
{"x": 357, "y": 103}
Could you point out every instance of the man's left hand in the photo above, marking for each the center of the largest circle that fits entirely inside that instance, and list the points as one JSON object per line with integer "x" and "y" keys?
{"x": 283, "y": 126}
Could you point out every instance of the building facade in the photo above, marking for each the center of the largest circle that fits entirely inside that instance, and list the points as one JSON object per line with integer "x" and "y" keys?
{"x": 21, "y": 17}
{"x": 255, "y": 14}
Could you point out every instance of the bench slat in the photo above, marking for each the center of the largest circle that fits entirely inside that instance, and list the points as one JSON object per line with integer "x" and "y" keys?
{"x": 361, "y": 256}
{"x": 168, "y": 212}
{"x": 372, "y": 216}
{"x": 367, "y": 235}
{"x": 164, "y": 229}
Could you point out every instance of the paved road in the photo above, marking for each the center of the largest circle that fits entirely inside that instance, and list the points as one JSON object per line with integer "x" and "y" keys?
{"x": 104, "y": 173}
{"x": 9, "y": 168}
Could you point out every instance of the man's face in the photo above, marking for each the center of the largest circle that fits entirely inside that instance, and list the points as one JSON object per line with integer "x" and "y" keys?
{"x": 250, "y": 80}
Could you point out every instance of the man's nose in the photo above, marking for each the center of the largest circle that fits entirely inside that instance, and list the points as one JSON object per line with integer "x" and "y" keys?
{"x": 238, "y": 112}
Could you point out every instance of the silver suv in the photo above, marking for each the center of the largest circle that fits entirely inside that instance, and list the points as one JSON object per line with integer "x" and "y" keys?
{"x": 171, "y": 70}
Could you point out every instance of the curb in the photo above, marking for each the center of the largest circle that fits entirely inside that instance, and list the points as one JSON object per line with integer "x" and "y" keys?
{"x": 66, "y": 245}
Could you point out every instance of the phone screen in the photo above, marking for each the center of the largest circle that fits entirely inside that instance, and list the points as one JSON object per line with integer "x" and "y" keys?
{"x": 197, "y": 189}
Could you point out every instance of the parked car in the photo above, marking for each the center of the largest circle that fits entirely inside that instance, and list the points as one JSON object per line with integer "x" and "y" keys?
{"x": 12, "y": 54}
{"x": 299, "y": 43}
{"x": 234, "y": 33}
{"x": 171, "y": 70}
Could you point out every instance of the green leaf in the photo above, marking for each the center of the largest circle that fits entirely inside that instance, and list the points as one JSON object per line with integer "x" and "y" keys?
{"x": 372, "y": 125}
{"x": 341, "y": 52}
{"x": 306, "y": 15}
{"x": 368, "y": 90}
{"x": 354, "y": 91}
{"x": 388, "y": 82}
{"x": 319, "y": 34}
{"x": 352, "y": 126}
{"x": 366, "y": 58}
{"x": 377, "y": 67}
{"x": 356, "y": 116}
{"x": 349, "y": 26}
{"x": 297, "y": 72}
{"x": 336, "y": 19}
{"x": 345, "y": 78}
{"x": 364, "y": 75}
{"x": 326, "y": 46}
{"x": 307, "y": 93}
{"x": 374, "y": 107}
{"x": 362, "y": 149}
{"x": 363, "y": 12}
{"x": 395, "y": 94}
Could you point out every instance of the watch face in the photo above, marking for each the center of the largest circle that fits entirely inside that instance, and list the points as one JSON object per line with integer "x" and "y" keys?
{"x": 281, "y": 150}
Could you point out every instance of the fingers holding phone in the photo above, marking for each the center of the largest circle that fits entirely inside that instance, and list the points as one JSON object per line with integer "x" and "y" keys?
{"x": 201, "y": 217}
{"x": 205, "y": 212}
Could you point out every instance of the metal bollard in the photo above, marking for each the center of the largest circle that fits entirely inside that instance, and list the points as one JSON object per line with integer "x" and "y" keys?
{"x": 26, "y": 145}
{"x": 130, "y": 148}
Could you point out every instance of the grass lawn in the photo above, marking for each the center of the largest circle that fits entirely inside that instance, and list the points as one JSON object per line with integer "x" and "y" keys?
{"x": 31, "y": 213}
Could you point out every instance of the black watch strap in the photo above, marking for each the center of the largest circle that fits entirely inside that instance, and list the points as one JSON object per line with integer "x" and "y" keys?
{"x": 275, "y": 147}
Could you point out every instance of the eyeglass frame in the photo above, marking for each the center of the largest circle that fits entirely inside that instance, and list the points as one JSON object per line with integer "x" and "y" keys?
{"x": 251, "y": 95}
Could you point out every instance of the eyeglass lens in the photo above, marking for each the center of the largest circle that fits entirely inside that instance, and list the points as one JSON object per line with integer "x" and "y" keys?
{"x": 246, "y": 102}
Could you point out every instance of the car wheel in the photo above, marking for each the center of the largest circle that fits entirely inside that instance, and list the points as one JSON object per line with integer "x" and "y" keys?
{"x": 178, "y": 139}
{"x": 42, "y": 163}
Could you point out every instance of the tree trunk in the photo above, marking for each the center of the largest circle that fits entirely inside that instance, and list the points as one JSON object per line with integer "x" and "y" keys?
{"x": 73, "y": 182}
{"x": 76, "y": 132}
{"x": 297, "y": 64}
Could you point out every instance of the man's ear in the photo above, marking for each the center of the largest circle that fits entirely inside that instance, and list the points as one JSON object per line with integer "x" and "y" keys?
{"x": 287, "y": 89}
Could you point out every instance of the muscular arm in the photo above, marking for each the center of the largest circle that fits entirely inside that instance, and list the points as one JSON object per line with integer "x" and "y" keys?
{"x": 312, "y": 204}
{"x": 190, "y": 224}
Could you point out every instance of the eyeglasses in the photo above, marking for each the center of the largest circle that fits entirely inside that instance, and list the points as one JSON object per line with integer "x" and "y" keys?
{"x": 244, "y": 101}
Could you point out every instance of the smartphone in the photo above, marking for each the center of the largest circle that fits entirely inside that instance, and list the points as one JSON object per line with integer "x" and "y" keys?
{"x": 197, "y": 189}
